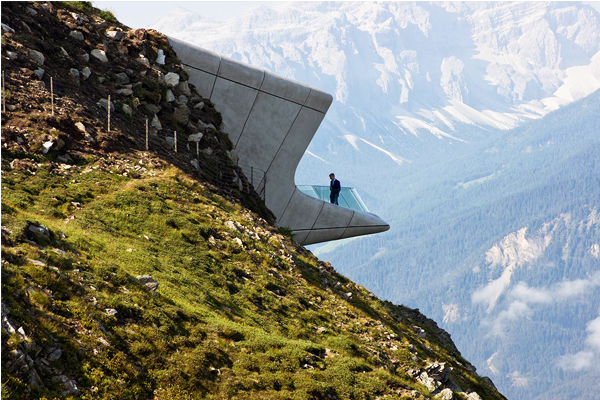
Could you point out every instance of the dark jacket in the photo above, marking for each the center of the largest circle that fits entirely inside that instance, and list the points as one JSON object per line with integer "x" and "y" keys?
{"x": 335, "y": 186}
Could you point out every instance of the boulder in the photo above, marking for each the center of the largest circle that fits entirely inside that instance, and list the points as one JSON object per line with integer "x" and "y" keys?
{"x": 144, "y": 61}
{"x": 438, "y": 371}
{"x": 199, "y": 106}
{"x": 74, "y": 76}
{"x": 160, "y": 59}
{"x": 85, "y": 57}
{"x": 55, "y": 355}
{"x": 41, "y": 230}
{"x": 115, "y": 35}
{"x": 7, "y": 29}
{"x": 77, "y": 35}
{"x": 104, "y": 104}
{"x": 100, "y": 55}
{"x": 153, "y": 108}
{"x": 39, "y": 73}
{"x": 445, "y": 394}
{"x": 81, "y": 127}
{"x": 172, "y": 79}
{"x": 64, "y": 52}
{"x": 182, "y": 114}
{"x": 46, "y": 146}
{"x": 86, "y": 72}
{"x": 184, "y": 88}
{"x": 428, "y": 381}
{"x": 170, "y": 141}
{"x": 121, "y": 78}
{"x": 37, "y": 57}
{"x": 182, "y": 99}
{"x": 473, "y": 396}
{"x": 156, "y": 123}
{"x": 126, "y": 109}
{"x": 125, "y": 92}
{"x": 12, "y": 55}
{"x": 31, "y": 11}
{"x": 196, "y": 137}
{"x": 170, "y": 96}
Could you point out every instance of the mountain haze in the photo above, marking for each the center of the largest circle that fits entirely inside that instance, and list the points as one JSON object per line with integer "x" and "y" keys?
{"x": 137, "y": 268}
{"x": 473, "y": 129}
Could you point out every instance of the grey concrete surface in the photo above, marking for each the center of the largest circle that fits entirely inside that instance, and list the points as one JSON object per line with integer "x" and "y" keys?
{"x": 271, "y": 121}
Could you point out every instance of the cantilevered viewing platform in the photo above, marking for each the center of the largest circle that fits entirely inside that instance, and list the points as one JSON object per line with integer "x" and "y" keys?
{"x": 271, "y": 121}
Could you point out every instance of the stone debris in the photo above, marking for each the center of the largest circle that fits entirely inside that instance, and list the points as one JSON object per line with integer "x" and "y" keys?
{"x": 37, "y": 56}
{"x": 445, "y": 394}
{"x": 144, "y": 61}
{"x": 100, "y": 55}
{"x": 172, "y": 79}
{"x": 148, "y": 281}
{"x": 115, "y": 35}
{"x": 170, "y": 97}
{"x": 7, "y": 29}
{"x": 77, "y": 35}
{"x": 160, "y": 58}
{"x": 86, "y": 72}
{"x": 195, "y": 137}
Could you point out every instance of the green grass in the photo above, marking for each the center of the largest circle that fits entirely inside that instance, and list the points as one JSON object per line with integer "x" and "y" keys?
{"x": 227, "y": 320}
{"x": 88, "y": 8}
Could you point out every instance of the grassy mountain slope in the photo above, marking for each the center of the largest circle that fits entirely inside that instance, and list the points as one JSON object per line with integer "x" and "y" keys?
{"x": 240, "y": 310}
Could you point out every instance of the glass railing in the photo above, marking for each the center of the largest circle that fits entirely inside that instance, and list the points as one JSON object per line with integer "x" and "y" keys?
{"x": 348, "y": 198}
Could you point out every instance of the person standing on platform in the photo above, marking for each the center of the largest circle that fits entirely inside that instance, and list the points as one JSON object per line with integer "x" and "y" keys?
{"x": 335, "y": 188}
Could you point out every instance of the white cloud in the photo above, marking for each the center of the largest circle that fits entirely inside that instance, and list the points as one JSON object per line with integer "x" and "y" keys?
{"x": 585, "y": 358}
{"x": 516, "y": 310}
{"x": 576, "y": 362}
{"x": 528, "y": 294}
{"x": 521, "y": 297}
{"x": 593, "y": 339}
{"x": 567, "y": 289}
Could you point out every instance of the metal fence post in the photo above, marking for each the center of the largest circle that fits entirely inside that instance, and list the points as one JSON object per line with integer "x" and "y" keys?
{"x": 108, "y": 113}
{"x": 146, "y": 134}
{"x": 52, "y": 94}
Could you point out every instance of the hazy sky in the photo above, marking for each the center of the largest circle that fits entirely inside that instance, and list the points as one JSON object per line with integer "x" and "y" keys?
{"x": 142, "y": 14}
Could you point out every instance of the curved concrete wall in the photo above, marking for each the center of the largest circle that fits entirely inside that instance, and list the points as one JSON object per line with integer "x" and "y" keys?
{"x": 270, "y": 121}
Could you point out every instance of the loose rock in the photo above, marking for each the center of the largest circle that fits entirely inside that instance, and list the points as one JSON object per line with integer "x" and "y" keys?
{"x": 39, "y": 73}
{"x": 100, "y": 55}
{"x": 182, "y": 114}
{"x": 196, "y": 137}
{"x": 37, "y": 56}
{"x": 172, "y": 79}
{"x": 77, "y": 35}
{"x": 126, "y": 109}
{"x": 115, "y": 35}
{"x": 86, "y": 72}
{"x": 170, "y": 96}
{"x": 47, "y": 146}
{"x": 147, "y": 281}
{"x": 184, "y": 88}
{"x": 160, "y": 59}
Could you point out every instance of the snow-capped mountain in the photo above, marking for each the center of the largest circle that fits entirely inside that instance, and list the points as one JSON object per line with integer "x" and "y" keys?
{"x": 399, "y": 68}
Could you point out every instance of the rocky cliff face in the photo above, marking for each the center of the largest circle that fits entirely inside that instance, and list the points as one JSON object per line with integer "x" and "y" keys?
{"x": 156, "y": 274}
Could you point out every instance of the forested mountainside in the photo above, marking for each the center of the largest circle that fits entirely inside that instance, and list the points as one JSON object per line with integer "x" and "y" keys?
{"x": 132, "y": 273}
{"x": 480, "y": 234}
